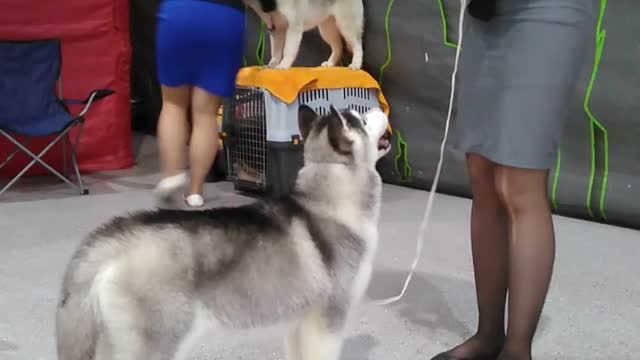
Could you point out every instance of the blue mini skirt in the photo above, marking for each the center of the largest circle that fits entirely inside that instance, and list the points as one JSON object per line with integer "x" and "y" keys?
{"x": 199, "y": 43}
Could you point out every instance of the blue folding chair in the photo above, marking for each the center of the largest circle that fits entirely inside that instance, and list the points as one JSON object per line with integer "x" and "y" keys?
{"x": 30, "y": 107}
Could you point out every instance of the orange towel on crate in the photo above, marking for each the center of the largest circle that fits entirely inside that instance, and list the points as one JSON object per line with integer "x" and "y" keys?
{"x": 286, "y": 85}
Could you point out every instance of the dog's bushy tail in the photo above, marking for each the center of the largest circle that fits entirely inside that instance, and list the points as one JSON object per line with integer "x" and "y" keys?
{"x": 76, "y": 330}
{"x": 76, "y": 334}
{"x": 78, "y": 310}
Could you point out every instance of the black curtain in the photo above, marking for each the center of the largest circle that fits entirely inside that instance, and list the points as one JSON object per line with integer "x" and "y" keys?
{"x": 146, "y": 100}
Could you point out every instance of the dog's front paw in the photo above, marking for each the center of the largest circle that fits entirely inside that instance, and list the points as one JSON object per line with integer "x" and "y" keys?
{"x": 282, "y": 66}
{"x": 328, "y": 63}
{"x": 355, "y": 66}
{"x": 273, "y": 63}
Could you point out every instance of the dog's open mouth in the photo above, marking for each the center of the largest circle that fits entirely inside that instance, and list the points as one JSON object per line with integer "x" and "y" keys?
{"x": 384, "y": 143}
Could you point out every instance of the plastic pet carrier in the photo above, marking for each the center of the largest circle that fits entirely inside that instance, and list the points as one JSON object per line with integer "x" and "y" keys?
{"x": 261, "y": 138}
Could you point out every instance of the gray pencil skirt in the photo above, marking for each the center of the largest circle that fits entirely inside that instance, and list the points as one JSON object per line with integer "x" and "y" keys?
{"x": 518, "y": 77}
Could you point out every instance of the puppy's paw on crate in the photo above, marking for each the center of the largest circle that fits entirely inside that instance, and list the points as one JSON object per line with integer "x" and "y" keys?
{"x": 273, "y": 63}
{"x": 355, "y": 67}
{"x": 327, "y": 64}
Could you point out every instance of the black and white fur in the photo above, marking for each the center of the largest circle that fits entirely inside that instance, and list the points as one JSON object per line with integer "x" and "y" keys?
{"x": 336, "y": 19}
{"x": 146, "y": 285}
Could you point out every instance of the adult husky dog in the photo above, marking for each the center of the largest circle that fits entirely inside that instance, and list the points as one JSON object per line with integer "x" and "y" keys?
{"x": 336, "y": 19}
{"x": 142, "y": 287}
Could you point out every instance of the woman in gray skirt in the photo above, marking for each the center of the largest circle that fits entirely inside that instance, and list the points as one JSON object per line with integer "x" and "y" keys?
{"x": 520, "y": 64}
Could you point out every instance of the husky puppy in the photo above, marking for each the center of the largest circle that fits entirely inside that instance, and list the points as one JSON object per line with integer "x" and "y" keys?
{"x": 334, "y": 18}
{"x": 144, "y": 286}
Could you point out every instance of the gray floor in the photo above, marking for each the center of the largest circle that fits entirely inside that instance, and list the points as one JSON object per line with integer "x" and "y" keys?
{"x": 593, "y": 311}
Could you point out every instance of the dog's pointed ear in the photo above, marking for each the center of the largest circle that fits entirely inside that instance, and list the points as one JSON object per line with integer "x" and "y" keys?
{"x": 337, "y": 114}
{"x": 340, "y": 143}
{"x": 334, "y": 111}
{"x": 306, "y": 117}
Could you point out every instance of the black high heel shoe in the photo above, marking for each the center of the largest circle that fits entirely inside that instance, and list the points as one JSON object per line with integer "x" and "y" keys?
{"x": 447, "y": 356}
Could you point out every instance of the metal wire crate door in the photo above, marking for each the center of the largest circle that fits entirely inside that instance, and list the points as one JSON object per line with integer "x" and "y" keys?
{"x": 247, "y": 153}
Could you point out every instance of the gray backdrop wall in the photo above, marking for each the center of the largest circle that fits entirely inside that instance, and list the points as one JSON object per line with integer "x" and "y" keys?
{"x": 598, "y": 171}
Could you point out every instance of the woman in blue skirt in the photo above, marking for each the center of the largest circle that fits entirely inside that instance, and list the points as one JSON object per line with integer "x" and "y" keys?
{"x": 199, "y": 49}
{"x": 520, "y": 64}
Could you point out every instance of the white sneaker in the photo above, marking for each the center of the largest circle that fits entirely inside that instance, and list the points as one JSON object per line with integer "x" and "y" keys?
{"x": 194, "y": 200}
{"x": 170, "y": 185}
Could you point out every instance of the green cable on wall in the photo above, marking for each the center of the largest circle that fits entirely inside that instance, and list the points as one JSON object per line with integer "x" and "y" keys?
{"x": 388, "y": 38}
{"x": 260, "y": 48}
{"x": 556, "y": 177}
{"x": 402, "y": 156}
{"x": 401, "y": 153}
{"x": 445, "y": 30}
{"x": 593, "y": 124}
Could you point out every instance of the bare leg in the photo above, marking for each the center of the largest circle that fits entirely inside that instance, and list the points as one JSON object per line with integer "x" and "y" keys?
{"x": 531, "y": 254}
{"x": 172, "y": 129}
{"x": 172, "y": 137}
{"x": 490, "y": 261}
{"x": 204, "y": 137}
{"x": 331, "y": 35}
